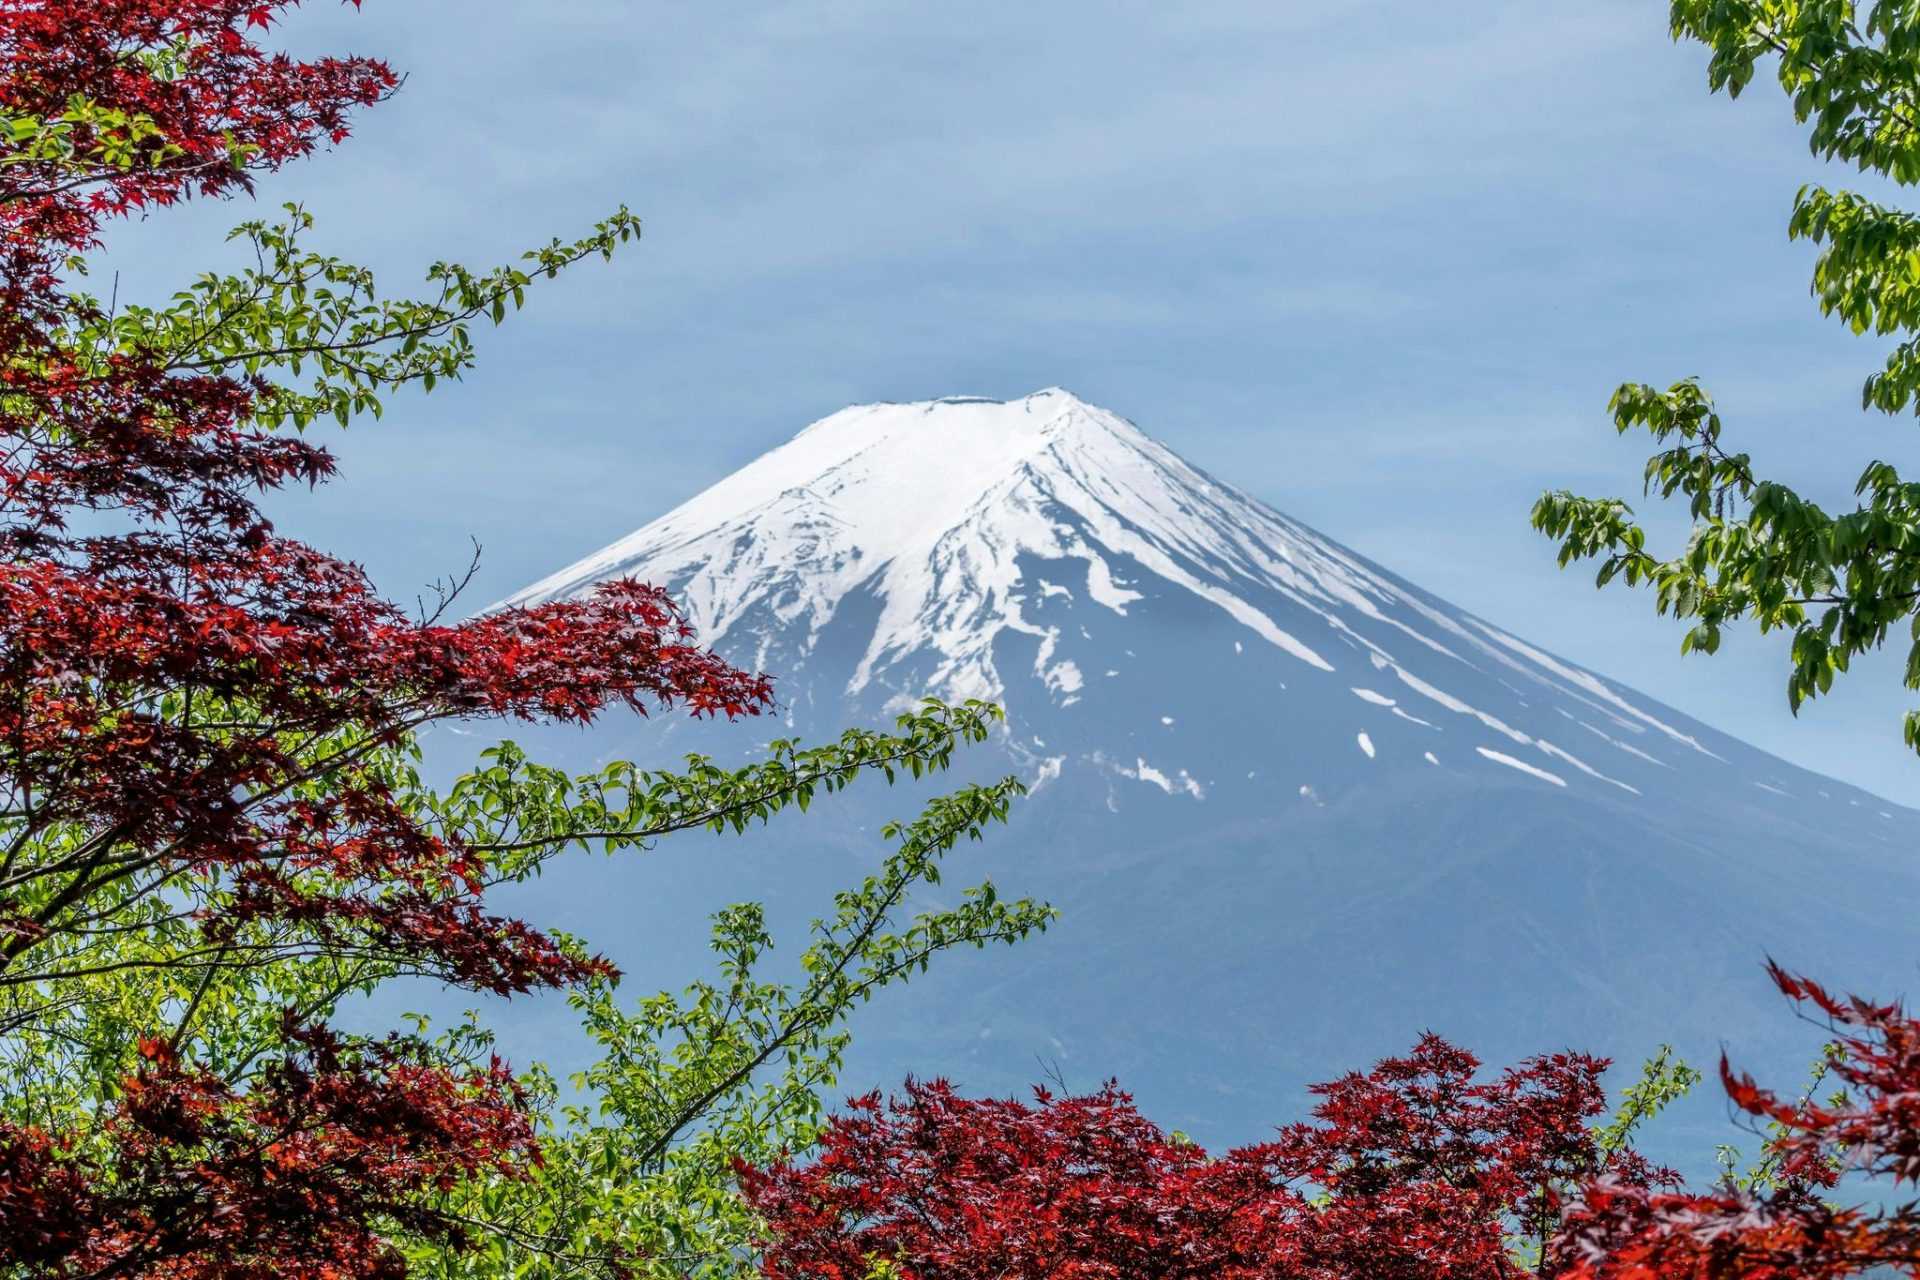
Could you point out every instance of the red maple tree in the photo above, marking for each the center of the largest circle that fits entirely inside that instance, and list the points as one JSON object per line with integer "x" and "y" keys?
{"x": 1416, "y": 1169}
{"x": 206, "y": 1182}
{"x": 194, "y": 595}
{"x": 193, "y": 706}
{"x": 1785, "y": 1225}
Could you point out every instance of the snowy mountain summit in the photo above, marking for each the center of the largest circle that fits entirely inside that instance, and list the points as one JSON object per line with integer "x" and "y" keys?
{"x": 1006, "y": 550}
{"x": 1294, "y": 809}
{"x": 931, "y": 506}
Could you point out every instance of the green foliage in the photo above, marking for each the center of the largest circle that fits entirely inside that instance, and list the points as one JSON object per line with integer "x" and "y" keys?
{"x": 511, "y": 807}
{"x": 88, "y": 139}
{"x": 1851, "y": 78}
{"x": 1839, "y": 583}
{"x": 732, "y": 1069}
{"x": 1664, "y": 1079}
{"x": 295, "y": 312}
{"x": 640, "y": 1149}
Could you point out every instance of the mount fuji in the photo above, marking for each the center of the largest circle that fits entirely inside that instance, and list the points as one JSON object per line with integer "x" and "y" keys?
{"x": 1294, "y": 809}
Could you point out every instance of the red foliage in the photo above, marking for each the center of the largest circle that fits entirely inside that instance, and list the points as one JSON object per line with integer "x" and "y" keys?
{"x": 188, "y": 699}
{"x": 1787, "y": 1230}
{"x": 952, "y": 1187}
{"x": 289, "y": 1179}
{"x": 234, "y": 93}
{"x": 1426, "y": 1169}
{"x": 1413, "y": 1170}
{"x": 195, "y": 595}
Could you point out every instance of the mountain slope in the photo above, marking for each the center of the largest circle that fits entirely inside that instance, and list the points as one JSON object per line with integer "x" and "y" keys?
{"x": 1295, "y": 809}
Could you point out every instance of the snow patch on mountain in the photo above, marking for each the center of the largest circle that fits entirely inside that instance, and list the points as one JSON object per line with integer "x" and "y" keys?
{"x": 1180, "y": 782}
{"x": 1501, "y": 757}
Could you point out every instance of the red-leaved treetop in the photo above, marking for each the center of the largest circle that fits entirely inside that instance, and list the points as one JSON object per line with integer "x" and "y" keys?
{"x": 1784, "y": 1225}
{"x": 210, "y": 1184}
{"x": 173, "y": 672}
{"x": 1415, "y": 1170}
{"x": 199, "y": 716}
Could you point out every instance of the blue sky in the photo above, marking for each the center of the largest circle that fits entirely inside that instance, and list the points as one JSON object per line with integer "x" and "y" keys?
{"x": 1380, "y": 263}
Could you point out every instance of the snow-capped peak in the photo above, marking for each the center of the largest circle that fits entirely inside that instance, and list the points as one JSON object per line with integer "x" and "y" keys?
{"x": 931, "y": 503}
{"x": 934, "y": 515}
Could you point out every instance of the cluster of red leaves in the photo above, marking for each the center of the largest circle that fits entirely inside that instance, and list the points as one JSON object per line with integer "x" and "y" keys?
{"x": 194, "y": 595}
{"x": 1788, "y": 1229}
{"x": 233, "y": 93}
{"x": 1423, "y": 1170}
{"x": 191, "y": 705}
{"x": 287, "y": 1180}
{"x": 1413, "y": 1170}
